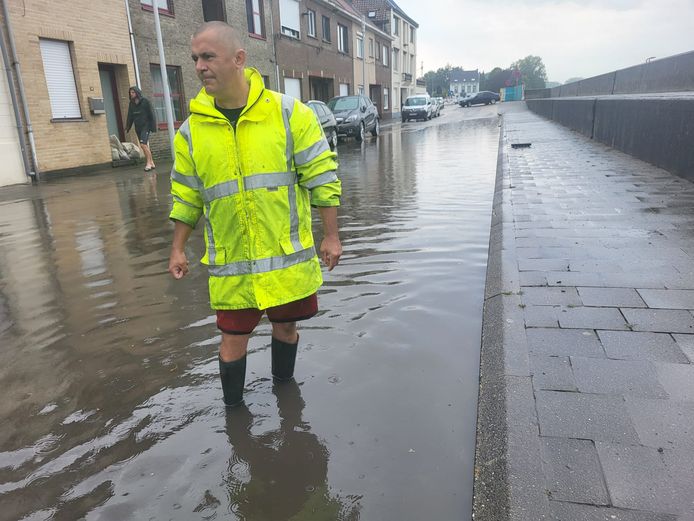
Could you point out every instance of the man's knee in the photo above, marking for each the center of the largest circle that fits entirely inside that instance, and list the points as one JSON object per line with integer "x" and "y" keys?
{"x": 233, "y": 347}
{"x": 285, "y": 331}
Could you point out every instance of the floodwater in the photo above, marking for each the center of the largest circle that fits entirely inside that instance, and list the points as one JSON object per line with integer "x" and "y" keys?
{"x": 111, "y": 404}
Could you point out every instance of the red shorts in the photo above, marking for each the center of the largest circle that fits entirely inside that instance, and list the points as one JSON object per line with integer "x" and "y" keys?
{"x": 243, "y": 321}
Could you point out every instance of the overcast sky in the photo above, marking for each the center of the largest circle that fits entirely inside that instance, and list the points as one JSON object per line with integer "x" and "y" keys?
{"x": 573, "y": 38}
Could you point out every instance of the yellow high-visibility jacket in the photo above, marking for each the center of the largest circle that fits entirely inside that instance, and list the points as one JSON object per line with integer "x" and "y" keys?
{"x": 255, "y": 186}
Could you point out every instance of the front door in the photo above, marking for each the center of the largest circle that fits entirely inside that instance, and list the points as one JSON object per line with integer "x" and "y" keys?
{"x": 109, "y": 91}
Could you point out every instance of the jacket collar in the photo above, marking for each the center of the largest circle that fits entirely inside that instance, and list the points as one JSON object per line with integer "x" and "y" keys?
{"x": 203, "y": 103}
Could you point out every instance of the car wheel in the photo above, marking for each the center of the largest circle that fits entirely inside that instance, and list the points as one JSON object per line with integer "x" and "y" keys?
{"x": 376, "y": 130}
{"x": 360, "y": 137}
{"x": 332, "y": 139}
{"x": 493, "y": 101}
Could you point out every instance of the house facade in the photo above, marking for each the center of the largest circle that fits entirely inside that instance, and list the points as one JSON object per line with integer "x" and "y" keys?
{"x": 179, "y": 19}
{"x": 76, "y": 70}
{"x": 402, "y": 56}
{"x": 464, "y": 82}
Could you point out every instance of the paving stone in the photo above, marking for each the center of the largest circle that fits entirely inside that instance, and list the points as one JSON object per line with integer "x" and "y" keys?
{"x": 573, "y": 471}
{"x": 663, "y": 423}
{"x": 633, "y": 345}
{"x": 532, "y": 278}
{"x": 570, "y": 278}
{"x": 563, "y": 342}
{"x": 680, "y": 463}
{"x": 638, "y": 478}
{"x": 677, "y": 379}
{"x": 573, "y": 512}
{"x": 541, "y": 316}
{"x": 584, "y": 416}
{"x": 686, "y": 344}
{"x": 621, "y": 377}
{"x": 543, "y": 265}
{"x": 611, "y": 297}
{"x": 550, "y": 296}
{"x": 591, "y": 318}
{"x": 552, "y": 373}
{"x": 668, "y": 298}
{"x": 660, "y": 320}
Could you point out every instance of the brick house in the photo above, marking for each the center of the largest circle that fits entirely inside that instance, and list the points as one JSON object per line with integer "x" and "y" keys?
{"x": 179, "y": 19}
{"x": 68, "y": 64}
{"x": 392, "y": 20}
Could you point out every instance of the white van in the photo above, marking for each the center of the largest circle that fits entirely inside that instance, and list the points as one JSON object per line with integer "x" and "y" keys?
{"x": 417, "y": 107}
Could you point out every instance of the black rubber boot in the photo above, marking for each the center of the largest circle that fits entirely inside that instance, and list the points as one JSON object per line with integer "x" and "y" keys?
{"x": 233, "y": 376}
{"x": 283, "y": 359}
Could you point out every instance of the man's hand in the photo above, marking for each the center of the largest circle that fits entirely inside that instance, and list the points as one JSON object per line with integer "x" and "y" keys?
{"x": 330, "y": 251}
{"x": 178, "y": 264}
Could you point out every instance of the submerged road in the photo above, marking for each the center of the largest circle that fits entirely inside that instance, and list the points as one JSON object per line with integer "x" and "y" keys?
{"x": 112, "y": 406}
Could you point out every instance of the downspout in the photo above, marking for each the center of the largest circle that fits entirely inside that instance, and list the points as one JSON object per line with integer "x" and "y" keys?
{"x": 22, "y": 93}
{"x": 132, "y": 46}
{"x": 274, "y": 48}
{"x": 363, "y": 54}
{"x": 15, "y": 104}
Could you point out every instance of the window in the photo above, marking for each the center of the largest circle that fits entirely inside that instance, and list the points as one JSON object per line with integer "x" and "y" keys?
{"x": 60, "y": 79}
{"x": 344, "y": 89}
{"x": 360, "y": 89}
{"x": 342, "y": 43}
{"x": 371, "y": 47}
{"x": 214, "y": 10}
{"x": 290, "y": 18}
{"x": 411, "y": 34}
{"x": 396, "y": 25}
{"x": 360, "y": 46}
{"x": 326, "y": 29}
{"x": 378, "y": 51}
{"x": 311, "y": 23}
{"x": 385, "y": 99}
{"x": 396, "y": 58}
{"x": 386, "y": 52}
{"x": 165, "y": 6}
{"x": 256, "y": 22}
{"x": 292, "y": 87}
{"x": 175, "y": 89}
{"x": 266, "y": 81}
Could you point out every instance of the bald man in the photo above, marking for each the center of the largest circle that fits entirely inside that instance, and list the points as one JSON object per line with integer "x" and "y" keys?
{"x": 253, "y": 162}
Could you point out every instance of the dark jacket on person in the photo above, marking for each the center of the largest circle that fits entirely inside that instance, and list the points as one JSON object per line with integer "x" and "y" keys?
{"x": 141, "y": 114}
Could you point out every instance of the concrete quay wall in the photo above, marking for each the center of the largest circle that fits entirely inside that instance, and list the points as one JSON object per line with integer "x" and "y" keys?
{"x": 656, "y": 129}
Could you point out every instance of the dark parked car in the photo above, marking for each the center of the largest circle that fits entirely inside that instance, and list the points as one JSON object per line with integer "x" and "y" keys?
{"x": 355, "y": 115}
{"x": 484, "y": 97}
{"x": 327, "y": 121}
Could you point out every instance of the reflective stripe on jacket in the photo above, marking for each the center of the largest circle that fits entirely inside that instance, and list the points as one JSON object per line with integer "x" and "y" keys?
{"x": 255, "y": 185}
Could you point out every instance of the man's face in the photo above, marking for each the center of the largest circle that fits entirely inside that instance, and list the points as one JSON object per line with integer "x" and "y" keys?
{"x": 133, "y": 94}
{"x": 216, "y": 63}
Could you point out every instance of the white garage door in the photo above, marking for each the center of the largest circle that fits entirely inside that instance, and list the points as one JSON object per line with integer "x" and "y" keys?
{"x": 292, "y": 86}
{"x": 12, "y": 171}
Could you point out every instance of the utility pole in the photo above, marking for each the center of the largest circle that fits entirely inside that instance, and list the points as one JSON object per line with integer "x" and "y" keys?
{"x": 164, "y": 78}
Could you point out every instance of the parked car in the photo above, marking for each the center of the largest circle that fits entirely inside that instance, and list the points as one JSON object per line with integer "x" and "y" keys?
{"x": 484, "y": 97}
{"x": 435, "y": 107}
{"x": 441, "y": 102}
{"x": 417, "y": 107}
{"x": 327, "y": 121}
{"x": 355, "y": 115}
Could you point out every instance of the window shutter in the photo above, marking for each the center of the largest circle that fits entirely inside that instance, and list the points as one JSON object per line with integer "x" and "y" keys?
{"x": 289, "y": 15}
{"x": 60, "y": 79}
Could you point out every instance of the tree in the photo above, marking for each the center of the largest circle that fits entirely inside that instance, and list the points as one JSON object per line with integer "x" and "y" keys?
{"x": 496, "y": 79}
{"x": 439, "y": 82}
{"x": 532, "y": 71}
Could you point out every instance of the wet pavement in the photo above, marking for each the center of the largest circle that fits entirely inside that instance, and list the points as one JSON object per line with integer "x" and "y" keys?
{"x": 112, "y": 405}
{"x": 587, "y": 383}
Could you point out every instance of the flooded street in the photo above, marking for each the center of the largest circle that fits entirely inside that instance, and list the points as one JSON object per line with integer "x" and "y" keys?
{"x": 112, "y": 406}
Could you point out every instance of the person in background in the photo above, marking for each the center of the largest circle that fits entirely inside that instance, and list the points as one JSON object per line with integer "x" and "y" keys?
{"x": 253, "y": 162}
{"x": 141, "y": 114}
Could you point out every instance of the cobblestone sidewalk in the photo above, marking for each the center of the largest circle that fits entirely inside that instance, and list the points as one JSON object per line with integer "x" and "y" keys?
{"x": 587, "y": 384}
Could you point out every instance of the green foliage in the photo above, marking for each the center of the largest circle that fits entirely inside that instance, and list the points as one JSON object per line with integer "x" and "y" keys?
{"x": 532, "y": 71}
{"x": 438, "y": 82}
{"x": 496, "y": 79}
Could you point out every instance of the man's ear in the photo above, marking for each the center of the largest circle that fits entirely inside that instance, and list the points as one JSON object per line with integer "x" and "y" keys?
{"x": 240, "y": 58}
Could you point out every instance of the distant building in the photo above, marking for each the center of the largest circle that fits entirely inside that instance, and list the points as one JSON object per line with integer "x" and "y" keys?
{"x": 392, "y": 20}
{"x": 464, "y": 82}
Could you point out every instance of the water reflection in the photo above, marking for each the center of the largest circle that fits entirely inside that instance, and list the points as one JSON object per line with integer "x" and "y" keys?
{"x": 281, "y": 474}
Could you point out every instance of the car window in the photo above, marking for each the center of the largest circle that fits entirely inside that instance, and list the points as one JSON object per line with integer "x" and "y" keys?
{"x": 321, "y": 109}
{"x": 346, "y": 103}
{"x": 415, "y": 102}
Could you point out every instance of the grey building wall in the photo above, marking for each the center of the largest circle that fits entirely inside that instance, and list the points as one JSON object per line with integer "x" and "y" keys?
{"x": 177, "y": 30}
